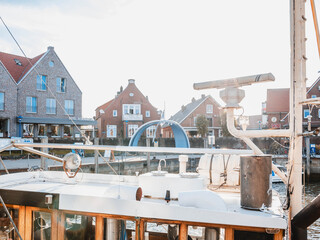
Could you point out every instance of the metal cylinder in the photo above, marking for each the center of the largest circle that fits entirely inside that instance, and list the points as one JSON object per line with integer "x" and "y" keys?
{"x": 256, "y": 184}
{"x": 113, "y": 229}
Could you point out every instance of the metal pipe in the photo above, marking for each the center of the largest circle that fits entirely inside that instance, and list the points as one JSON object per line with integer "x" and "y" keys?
{"x": 136, "y": 149}
{"x": 40, "y": 153}
{"x": 242, "y": 135}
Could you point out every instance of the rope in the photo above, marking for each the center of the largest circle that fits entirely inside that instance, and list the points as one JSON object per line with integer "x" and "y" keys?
{"x": 4, "y": 166}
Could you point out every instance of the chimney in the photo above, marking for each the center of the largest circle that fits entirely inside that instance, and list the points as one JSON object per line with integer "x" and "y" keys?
{"x": 50, "y": 48}
{"x": 121, "y": 89}
{"x": 131, "y": 81}
{"x": 193, "y": 100}
{"x": 203, "y": 96}
{"x": 147, "y": 98}
{"x": 183, "y": 108}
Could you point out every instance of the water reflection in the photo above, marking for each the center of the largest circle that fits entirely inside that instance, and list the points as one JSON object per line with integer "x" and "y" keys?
{"x": 311, "y": 191}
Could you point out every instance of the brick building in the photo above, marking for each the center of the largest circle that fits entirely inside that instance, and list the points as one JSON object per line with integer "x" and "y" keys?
{"x": 188, "y": 114}
{"x": 37, "y": 99}
{"x": 277, "y": 107}
{"x": 123, "y": 115}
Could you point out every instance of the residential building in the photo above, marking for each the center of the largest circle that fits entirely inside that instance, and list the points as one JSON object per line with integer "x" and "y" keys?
{"x": 38, "y": 97}
{"x": 277, "y": 107}
{"x": 188, "y": 114}
{"x": 123, "y": 115}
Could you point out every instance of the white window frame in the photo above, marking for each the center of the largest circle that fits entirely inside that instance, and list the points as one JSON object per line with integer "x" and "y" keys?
{"x": 51, "y": 106}
{"x": 114, "y": 113}
{"x": 151, "y": 131}
{"x": 2, "y": 94}
{"x": 30, "y": 108}
{"x": 131, "y": 109}
{"x": 59, "y": 87}
{"x": 111, "y": 131}
{"x": 67, "y": 106}
{"x": 132, "y": 128}
{"x": 148, "y": 113}
{"x": 209, "y": 108}
{"x": 306, "y": 113}
{"x": 41, "y": 83}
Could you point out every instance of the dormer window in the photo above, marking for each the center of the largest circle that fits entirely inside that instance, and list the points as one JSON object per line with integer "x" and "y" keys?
{"x": 17, "y": 61}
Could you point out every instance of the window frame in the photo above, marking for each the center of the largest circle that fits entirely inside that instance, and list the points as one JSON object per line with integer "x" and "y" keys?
{"x": 51, "y": 107}
{"x": 41, "y": 83}
{"x": 66, "y": 108}
{"x": 147, "y": 113}
{"x": 132, "y": 128}
{"x": 209, "y": 108}
{"x": 110, "y": 128}
{"x": 2, "y": 101}
{"x": 115, "y": 113}
{"x": 59, "y": 84}
{"x": 136, "y": 109}
{"x": 31, "y": 106}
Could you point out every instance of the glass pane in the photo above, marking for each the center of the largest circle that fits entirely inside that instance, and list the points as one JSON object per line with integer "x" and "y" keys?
{"x": 6, "y": 227}
{"x": 41, "y": 226}
{"x": 79, "y": 227}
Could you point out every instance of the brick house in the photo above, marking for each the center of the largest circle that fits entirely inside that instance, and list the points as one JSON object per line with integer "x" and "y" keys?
{"x": 277, "y": 107}
{"x": 44, "y": 96}
{"x": 123, "y": 115}
{"x": 188, "y": 114}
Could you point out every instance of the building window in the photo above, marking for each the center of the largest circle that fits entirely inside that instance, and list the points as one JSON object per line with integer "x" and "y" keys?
{"x": 1, "y": 101}
{"x": 313, "y": 96}
{"x": 54, "y": 129}
{"x": 130, "y": 109}
{"x": 69, "y": 106}
{"x": 28, "y": 130}
{"x": 306, "y": 113}
{"x": 209, "y": 108}
{"x": 51, "y": 106}
{"x": 132, "y": 128}
{"x": 319, "y": 113}
{"x": 67, "y": 131}
{"x": 151, "y": 132}
{"x": 111, "y": 131}
{"x": 41, "y": 82}
{"x": 147, "y": 113}
{"x": 41, "y": 130}
{"x": 195, "y": 121}
{"x": 115, "y": 113}
{"x": 61, "y": 85}
{"x": 51, "y": 64}
{"x": 31, "y": 106}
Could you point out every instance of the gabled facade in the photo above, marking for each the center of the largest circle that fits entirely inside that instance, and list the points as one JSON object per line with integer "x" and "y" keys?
{"x": 188, "y": 114}
{"x": 277, "y": 107}
{"x": 46, "y": 96}
{"x": 123, "y": 115}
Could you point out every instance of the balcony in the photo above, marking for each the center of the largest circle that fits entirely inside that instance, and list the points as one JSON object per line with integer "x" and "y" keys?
{"x": 132, "y": 117}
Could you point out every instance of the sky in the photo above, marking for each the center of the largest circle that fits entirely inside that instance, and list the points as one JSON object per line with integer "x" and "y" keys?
{"x": 166, "y": 45}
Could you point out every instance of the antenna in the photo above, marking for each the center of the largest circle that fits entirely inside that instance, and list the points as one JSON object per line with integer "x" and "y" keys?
{"x": 235, "y": 82}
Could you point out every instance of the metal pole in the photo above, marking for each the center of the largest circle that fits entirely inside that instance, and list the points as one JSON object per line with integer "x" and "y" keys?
{"x": 308, "y": 158}
{"x": 148, "y": 155}
{"x": 96, "y": 156}
{"x": 45, "y": 150}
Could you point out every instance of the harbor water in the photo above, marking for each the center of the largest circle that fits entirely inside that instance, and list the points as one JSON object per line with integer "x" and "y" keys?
{"x": 312, "y": 190}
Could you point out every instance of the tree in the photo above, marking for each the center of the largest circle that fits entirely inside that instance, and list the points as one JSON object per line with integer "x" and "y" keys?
{"x": 202, "y": 125}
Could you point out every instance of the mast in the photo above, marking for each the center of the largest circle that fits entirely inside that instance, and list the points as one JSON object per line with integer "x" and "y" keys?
{"x": 297, "y": 95}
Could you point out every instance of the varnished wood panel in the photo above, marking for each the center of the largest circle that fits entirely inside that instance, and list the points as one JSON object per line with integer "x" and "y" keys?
{"x": 99, "y": 227}
{"x": 183, "y": 231}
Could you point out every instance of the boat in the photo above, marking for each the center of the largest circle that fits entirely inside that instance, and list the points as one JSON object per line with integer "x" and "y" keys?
{"x": 159, "y": 205}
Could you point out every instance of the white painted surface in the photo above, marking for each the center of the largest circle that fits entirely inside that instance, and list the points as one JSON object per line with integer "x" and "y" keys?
{"x": 183, "y": 159}
{"x": 89, "y": 193}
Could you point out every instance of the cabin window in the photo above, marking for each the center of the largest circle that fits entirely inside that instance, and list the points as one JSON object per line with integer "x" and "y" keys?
{"x": 41, "y": 225}
{"x": 244, "y": 235}
{"x": 7, "y": 230}
{"x": 197, "y": 232}
{"x": 79, "y": 227}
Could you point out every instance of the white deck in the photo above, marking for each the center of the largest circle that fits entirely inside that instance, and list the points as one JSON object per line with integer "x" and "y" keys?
{"x": 97, "y": 193}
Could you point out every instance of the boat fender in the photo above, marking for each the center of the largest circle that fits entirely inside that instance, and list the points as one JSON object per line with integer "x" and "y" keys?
{"x": 124, "y": 192}
{"x": 202, "y": 199}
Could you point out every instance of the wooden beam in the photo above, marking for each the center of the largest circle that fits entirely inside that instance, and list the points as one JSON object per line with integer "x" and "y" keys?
{"x": 183, "y": 231}
{"x": 229, "y": 234}
{"x": 28, "y": 224}
{"x": 54, "y": 224}
{"x": 99, "y": 227}
{"x": 279, "y": 235}
{"x": 141, "y": 230}
{"x": 61, "y": 225}
{"x": 22, "y": 219}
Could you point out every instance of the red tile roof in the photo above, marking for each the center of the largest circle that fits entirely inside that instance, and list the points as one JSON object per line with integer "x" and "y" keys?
{"x": 278, "y": 100}
{"x": 17, "y": 71}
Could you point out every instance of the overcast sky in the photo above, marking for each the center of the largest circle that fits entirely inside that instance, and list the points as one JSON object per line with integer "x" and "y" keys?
{"x": 166, "y": 45}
